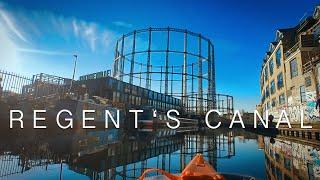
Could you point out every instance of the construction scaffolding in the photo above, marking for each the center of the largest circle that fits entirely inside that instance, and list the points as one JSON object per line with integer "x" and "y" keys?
{"x": 176, "y": 62}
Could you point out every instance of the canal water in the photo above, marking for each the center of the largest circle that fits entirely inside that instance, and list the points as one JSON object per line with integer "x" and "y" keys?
{"x": 115, "y": 154}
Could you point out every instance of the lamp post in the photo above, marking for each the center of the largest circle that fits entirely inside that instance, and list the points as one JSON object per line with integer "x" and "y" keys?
{"x": 74, "y": 70}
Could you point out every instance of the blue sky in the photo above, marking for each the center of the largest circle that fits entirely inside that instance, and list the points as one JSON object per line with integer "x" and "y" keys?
{"x": 41, "y": 36}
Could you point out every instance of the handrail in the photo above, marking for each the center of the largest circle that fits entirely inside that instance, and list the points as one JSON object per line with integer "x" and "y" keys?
{"x": 307, "y": 67}
{"x": 292, "y": 49}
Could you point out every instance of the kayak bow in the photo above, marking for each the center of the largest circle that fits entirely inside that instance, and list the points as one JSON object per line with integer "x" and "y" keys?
{"x": 198, "y": 168}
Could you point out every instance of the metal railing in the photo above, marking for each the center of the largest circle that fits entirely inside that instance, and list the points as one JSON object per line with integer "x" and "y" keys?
{"x": 12, "y": 83}
{"x": 293, "y": 49}
{"x": 307, "y": 67}
{"x": 306, "y": 41}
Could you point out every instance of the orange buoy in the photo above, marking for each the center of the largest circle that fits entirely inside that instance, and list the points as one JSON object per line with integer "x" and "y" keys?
{"x": 197, "y": 169}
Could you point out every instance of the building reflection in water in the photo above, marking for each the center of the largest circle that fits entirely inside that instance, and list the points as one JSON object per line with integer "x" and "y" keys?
{"x": 111, "y": 154}
{"x": 116, "y": 154}
{"x": 287, "y": 160}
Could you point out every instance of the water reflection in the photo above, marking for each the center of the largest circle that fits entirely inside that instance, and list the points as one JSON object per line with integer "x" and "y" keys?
{"x": 117, "y": 154}
{"x": 286, "y": 159}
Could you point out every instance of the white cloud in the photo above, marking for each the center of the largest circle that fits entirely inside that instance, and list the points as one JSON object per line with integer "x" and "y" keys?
{"x": 30, "y": 40}
{"x": 9, "y": 23}
{"x": 122, "y": 24}
{"x": 45, "y": 52}
{"x": 108, "y": 37}
{"x": 89, "y": 33}
{"x": 39, "y": 26}
{"x": 92, "y": 34}
{"x": 75, "y": 27}
{"x": 8, "y": 54}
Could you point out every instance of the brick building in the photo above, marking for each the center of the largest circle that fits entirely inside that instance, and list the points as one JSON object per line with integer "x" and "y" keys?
{"x": 289, "y": 77}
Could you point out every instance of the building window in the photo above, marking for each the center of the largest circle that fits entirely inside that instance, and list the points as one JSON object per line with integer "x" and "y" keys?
{"x": 317, "y": 134}
{"x": 318, "y": 76}
{"x": 308, "y": 81}
{"x": 278, "y": 173}
{"x": 278, "y": 57}
{"x": 265, "y": 73}
{"x": 271, "y": 66}
{"x": 267, "y": 91}
{"x": 282, "y": 99}
{"x": 293, "y": 68}
{"x": 302, "y": 94}
{"x": 280, "y": 81}
{"x": 272, "y": 87}
{"x": 287, "y": 163}
{"x": 273, "y": 102}
{"x": 268, "y": 106}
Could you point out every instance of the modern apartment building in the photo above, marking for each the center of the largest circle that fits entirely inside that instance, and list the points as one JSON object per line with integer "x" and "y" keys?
{"x": 289, "y": 77}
